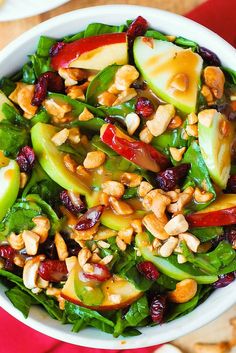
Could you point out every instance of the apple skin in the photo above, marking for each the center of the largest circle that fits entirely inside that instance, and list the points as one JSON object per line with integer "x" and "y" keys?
{"x": 94, "y": 52}
{"x": 114, "y": 285}
{"x": 10, "y": 184}
{"x": 221, "y": 212}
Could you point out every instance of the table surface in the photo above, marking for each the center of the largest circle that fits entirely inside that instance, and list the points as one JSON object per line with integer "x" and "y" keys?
{"x": 219, "y": 329}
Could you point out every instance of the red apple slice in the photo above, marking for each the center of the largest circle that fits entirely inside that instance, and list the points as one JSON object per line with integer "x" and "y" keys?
{"x": 118, "y": 292}
{"x": 221, "y": 212}
{"x": 94, "y": 53}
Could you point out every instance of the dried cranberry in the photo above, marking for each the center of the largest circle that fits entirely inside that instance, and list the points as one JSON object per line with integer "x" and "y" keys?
{"x": 224, "y": 280}
{"x": 171, "y": 177}
{"x": 8, "y": 254}
{"x": 72, "y": 247}
{"x": 230, "y": 235}
{"x": 149, "y": 270}
{"x": 100, "y": 273}
{"x": 48, "y": 81}
{"x": 90, "y": 218}
{"x": 72, "y": 202}
{"x": 9, "y": 265}
{"x": 138, "y": 84}
{"x": 55, "y": 48}
{"x": 48, "y": 248}
{"x": 53, "y": 270}
{"x": 157, "y": 308}
{"x": 25, "y": 159}
{"x": 231, "y": 185}
{"x": 137, "y": 28}
{"x": 209, "y": 57}
{"x": 144, "y": 107}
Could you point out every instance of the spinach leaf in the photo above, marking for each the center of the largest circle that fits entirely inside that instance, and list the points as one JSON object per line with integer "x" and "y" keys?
{"x": 44, "y": 46}
{"x": 78, "y": 153}
{"x": 156, "y": 35}
{"x": 169, "y": 139}
{"x": 96, "y": 142}
{"x": 138, "y": 311}
{"x": 118, "y": 163}
{"x": 166, "y": 282}
{"x": 19, "y": 217}
{"x": 230, "y": 73}
{"x": 12, "y": 138}
{"x": 100, "y": 83}
{"x": 95, "y": 29}
{"x": 28, "y": 73}
{"x": 205, "y": 234}
{"x": 13, "y": 116}
{"x": 130, "y": 193}
{"x": 214, "y": 261}
{"x": 47, "y": 302}
{"x": 178, "y": 310}
{"x": 21, "y": 300}
{"x": 41, "y": 117}
{"x": 7, "y": 86}
{"x": 72, "y": 38}
{"x": 186, "y": 43}
{"x": 198, "y": 174}
{"x": 40, "y": 64}
{"x": 120, "y": 111}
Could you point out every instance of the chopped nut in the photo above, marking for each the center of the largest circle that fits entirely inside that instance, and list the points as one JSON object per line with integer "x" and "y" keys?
{"x": 180, "y": 82}
{"x": 85, "y": 115}
{"x": 23, "y": 180}
{"x": 192, "y": 118}
{"x": 61, "y": 247}
{"x": 55, "y": 109}
{"x": 125, "y": 96}
{"x": 146, "y": 136}
{"x": 30, "y": 271}
{"x": 103, "y": 244}
{"x": 75, "y": 92}
{"x": 168, "y": 247}
{"x": 71, "y": 262}
{"x": 23, "y": 95}
{"x": 125, "y": 76}
{"x": 149, "y": 197}
{"x": 19, "y": 261}
{"x": 156, "y": 226}
{"x": 185, "y": 291}
{"x": 72, "y": 75}
{"x": 215, "y": 80}
{"x": 83, "y": 256}
{"x": 207, "y": 94}
{"x": 192, "y": 130}
{"x": 183, "y": 199}
{"x": 202, "y": 196}
{"x": 52, "y": 291}
{"x": 222, "y": 347}
{"x": 131, "y": 179}
{"x": 74, "y": 135}
{"x": 176, "y": 225}
{"x": 113, "y": 89}
{"x": 173, "y": 194}
{"x": 106, "y": 260}
{"x": 104, "y": 199}
{"x": 126, "y": 235}
{"x": 136, "y": 224}
{"x": 177, "y": 153}
{"x": 106, "y": 98}
{"x": 156, "y": 243}
{"x": 94, "y": 159}
{"x": 31, "y": 241}
{"x": 80, "y": 170}
{"x": 148, "y": 41}
{"x": 41, "y": 283}
{"x": 79, "y": 235}
{"x": 121, "y": 244}
{"x": 113, "y": 188}
{"x": 224, "y": 128}
{"x": 95, "y": 258}
{"x": 181, "y": 259}
{"x": 161, "y": 120}
{"x": 16, "y": 241}
{"x": 88, "y": 268}
{"x": 159, "y": 204}
{"x": 70, "y": 163}
{"x": 171, "y": 38}
{"x": 175, "y": 123}
{"x": 144, "y": 188}
{"x": 120, "y": 207}
{"x": 132, "y": 121}
{"x": 191, "y": 240}
{"x": 104, "y": 233}
{"x": 60, "y": 137}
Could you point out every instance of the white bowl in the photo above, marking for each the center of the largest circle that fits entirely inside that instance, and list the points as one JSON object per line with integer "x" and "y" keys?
{"x": 11, "y": 59}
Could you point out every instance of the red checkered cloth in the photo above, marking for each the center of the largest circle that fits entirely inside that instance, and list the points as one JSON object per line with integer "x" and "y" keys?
{"x": 219, "y": 16}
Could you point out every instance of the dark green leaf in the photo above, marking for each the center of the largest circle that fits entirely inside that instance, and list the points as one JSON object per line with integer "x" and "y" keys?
{"x": 40, "y": 64}
{"x": 21, "y": 300}
{"x": 130, "y": 193}
{"x": 186, "y": 43}
{"x": 44, "y": 46}
{"x": 182, "y": 309}
{"x": 231, "y": 73}
{"x": 205, "y": 234}
{"x": 72, "y": 38}
{"x": 13, "y": 116}
{"x": 12, "y": 138}
{"x": 96, "y": 142}
{"x": 101, "y": 82}
{"x": 40, "y": 117}
{"x": 28, "y": 73}
{"x": 95, "y": 29}
{"x": 7, "y": 86}
{"x": 120, "y": 111}
{"x": 156, "y": 35}
{"x": 138, "y": 311}
{"x": 171, "y": 138}
{"x": 166, "y": 282}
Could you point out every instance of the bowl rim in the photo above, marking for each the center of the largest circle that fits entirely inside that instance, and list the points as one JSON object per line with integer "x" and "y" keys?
{"x": 198, "y": 317}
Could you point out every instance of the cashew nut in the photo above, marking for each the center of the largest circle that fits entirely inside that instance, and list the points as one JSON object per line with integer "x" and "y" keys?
{"x": 185, "y": 290}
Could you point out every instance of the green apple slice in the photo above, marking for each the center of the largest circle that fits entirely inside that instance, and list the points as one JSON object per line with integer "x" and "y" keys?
{"x": 160, "y": 62}
{"x": 3, "y": 99}
{"x": 10, "y": 183}
{"x": 51, "y": 160}
{"x": 215, "y": 138}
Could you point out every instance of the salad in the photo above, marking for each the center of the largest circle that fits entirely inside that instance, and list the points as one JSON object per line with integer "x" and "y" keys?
{"x": 117, "y": 174}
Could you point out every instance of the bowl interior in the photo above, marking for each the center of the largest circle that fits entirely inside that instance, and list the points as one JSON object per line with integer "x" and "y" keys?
{"x": 70, "y": 23}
